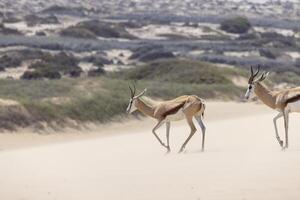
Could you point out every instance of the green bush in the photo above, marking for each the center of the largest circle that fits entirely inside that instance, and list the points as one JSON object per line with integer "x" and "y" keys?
{"x": 96, "y": 72}
{"x": 95, "y": 28}
{"x": 236, "y": 25}
{"x": 78, "y": 32}
{"x": 268, "y": 53}
{"x": 52, "y": 66}
{"x": 41, "y": 73}
{"x": 31, "y": 75}
{"x": 96, "y": 99}
{"x": 286, "y": 77}
{"x": 179, "y": 71}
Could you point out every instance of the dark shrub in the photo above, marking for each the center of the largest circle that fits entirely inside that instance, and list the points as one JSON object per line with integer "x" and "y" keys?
{"x": 98, "y": 59}
{"x": 236, "y": 25}
{"x": 8, "y": 60}
{"x": 156, "y": 55}
{"x": 11, "y": 20}
{"x": 33, "y": 20}
{"x": 8, "y": 31}
{"x": 96, "y": 72}
{"x": 39, "y": 74}
{"x": 30, "y": 75}
{"x": 248, "y": 36}
{"x": 61, "y": 61}
{"x": 40, "y": 33}
{"x": 278, "y": 40}
{"x": 151, "y": 52}
{"x": 78, "y": 32}
{"x": 177, "y": 71}
{"x": 52, "y": 66}
{"x": 141, "y": 51}
{"x": 51, "y": 74}
{"x": 100, "y": 29}
{"x": 133, "y": 24}
{"x": 61, "y": 10}
{"x": 268, "y": 53}
{"x": 75, "y": 72}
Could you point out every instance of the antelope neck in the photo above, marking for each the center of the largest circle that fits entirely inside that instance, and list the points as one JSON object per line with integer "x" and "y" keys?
{"x": 144, "y": 108}
{"x": 265, "y": 95}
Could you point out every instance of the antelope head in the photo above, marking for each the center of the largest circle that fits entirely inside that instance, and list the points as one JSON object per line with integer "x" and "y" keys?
{"x": 252, "y": 81}
{"x": 131, "y": 106}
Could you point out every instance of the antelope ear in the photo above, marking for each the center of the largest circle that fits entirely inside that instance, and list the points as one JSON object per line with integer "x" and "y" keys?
{"x": 267, "y": 74}
{"x": 142, "y": 93}
{"x": 263, "y": 76}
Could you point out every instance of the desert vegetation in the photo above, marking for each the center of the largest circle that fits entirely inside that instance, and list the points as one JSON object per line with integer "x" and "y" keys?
{"x": 103, "y": 98}
{"x": 8, "y": 31}
{"x": 77, "y": 59}
{"x": 33, "y": 20}
{"x": 236, "y": 25}
{"x": 94, "y": 28}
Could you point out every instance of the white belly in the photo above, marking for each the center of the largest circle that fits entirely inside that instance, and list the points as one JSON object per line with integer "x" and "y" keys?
{"x": 176, "y": 117}
{"x": 294, "y": 107}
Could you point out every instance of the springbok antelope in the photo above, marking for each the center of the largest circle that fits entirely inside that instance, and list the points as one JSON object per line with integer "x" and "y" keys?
{"x": 284, "y": 101}
{"x": 173, "y": 110}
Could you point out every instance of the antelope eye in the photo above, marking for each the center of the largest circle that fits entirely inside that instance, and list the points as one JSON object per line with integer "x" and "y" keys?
{"x": 250, "y": 87}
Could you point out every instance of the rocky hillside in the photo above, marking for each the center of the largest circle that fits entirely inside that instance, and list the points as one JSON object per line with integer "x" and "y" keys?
{"x": 275, "y": 8}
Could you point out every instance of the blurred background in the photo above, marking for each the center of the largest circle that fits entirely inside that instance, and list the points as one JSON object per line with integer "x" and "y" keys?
{"x": 65, "y": 62}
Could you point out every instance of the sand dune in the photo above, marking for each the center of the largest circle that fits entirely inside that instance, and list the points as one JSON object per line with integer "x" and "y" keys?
{"x": 242, "y": 161}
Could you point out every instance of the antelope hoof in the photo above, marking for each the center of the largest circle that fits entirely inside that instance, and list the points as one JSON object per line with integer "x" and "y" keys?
{"x": 164, "y": 145}
{"x": 284, "y": 148}
{"x": 181, "y": 150}
{"x": 168, "y": 151}
{"x": 281, "y": 143}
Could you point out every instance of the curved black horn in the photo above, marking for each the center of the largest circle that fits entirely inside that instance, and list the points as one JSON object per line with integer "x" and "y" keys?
{"x": 258, "y": 69}
{"x": 134, "y": 89}
{"x": 251, "y": 68}
{"x": 131, "y": 92}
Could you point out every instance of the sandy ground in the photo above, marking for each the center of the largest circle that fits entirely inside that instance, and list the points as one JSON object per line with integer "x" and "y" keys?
{"x": 242, "y": 161}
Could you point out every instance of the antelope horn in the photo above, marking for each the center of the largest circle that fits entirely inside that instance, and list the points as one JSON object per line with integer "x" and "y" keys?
{"x": 263, "y": 76}
{"x": 134, "y": 89}
{"x": 142, "y": 93}
{"x": 251, "y": 71}
{"x": 258, "y": 69}
{"x": 131, "y": 92}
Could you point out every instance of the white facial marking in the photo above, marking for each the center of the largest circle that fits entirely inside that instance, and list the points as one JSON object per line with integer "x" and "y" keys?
{"x": 131, "y": 106}
{"x": 249, "y": 91}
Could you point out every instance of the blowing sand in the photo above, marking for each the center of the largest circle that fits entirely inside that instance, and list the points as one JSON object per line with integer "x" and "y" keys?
{"x": 242, "y": 161}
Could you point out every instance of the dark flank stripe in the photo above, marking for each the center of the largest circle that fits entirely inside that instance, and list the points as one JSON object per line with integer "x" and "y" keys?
{"x": 293, "y": 99}
{"x": 173, "y": 110}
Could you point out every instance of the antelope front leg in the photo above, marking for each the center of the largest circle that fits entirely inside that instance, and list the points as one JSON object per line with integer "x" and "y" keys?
{"x": 286, "y": 127}
{"x": 193, "y": 130}
{"x": 153, "y": 131}
{"x": 168, "y": 124}
{"x": 203, "y": 128}
{"x": 276, "y": 129}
